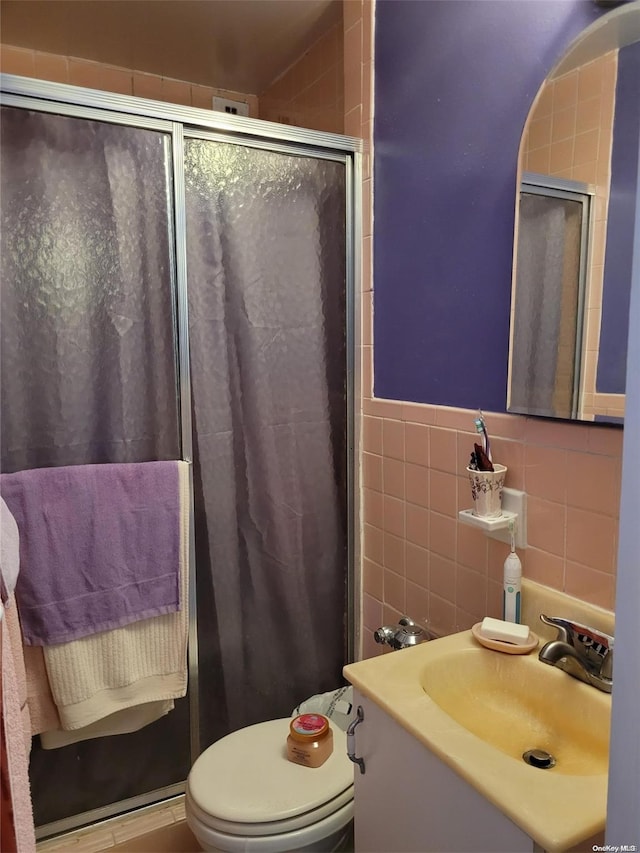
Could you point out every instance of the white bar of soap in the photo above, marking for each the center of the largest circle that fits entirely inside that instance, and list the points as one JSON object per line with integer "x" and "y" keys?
{"x": 505, "y": 632}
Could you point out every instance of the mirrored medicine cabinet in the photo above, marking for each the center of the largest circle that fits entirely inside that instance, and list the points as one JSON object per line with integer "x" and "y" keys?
{"x": 573, "y": 243}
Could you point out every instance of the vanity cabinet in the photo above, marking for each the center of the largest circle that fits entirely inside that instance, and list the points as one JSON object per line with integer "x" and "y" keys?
{"x": 409, "y": 800}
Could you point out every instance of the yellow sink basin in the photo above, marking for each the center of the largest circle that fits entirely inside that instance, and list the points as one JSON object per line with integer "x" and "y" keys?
{"x": 479, "y": 710}
{"x": 516, "y": 704}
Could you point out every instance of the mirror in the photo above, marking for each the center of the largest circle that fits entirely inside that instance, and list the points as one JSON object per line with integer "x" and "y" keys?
{"x": 578, "y": 180}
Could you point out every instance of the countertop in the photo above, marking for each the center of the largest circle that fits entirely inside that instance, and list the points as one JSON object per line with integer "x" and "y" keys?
{"x": 557, "y": 810}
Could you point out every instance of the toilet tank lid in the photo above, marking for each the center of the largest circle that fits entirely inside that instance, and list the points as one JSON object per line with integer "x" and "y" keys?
{"x": 246, "y": 776}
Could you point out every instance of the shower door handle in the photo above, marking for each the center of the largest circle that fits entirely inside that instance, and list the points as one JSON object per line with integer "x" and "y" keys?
{"x": 351, "y": 739}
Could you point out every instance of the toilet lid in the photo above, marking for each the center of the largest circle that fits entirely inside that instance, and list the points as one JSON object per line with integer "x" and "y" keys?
{"x": 246, "y": 777}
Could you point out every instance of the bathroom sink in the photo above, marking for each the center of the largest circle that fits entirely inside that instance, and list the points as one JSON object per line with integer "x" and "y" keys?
{"x": 515, "y": 704}
{"x": 479, "y": 710}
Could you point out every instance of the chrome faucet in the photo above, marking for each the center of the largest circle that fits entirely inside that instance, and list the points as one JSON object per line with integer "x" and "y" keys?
{"x": 581, "y": 651}
{"x": 406, "y": 633}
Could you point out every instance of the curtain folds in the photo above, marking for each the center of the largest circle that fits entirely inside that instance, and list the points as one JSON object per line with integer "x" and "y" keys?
{"x": 266, "y": 270}
{"x": 545, "y": 320}
{"x": 88, "y": 369}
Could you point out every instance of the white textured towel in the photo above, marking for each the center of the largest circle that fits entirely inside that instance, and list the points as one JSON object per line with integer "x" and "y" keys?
{"x": 42, "y": 708}
{"x": 146, "y": 661}
{"x": 120, "y": 723}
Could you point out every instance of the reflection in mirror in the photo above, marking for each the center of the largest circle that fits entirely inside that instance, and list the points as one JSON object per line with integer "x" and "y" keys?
{"x": 574, "y": 229}
{"x": 547, "y": 318}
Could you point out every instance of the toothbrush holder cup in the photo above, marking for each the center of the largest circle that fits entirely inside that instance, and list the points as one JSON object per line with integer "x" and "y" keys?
{"x": 486, "y": 490}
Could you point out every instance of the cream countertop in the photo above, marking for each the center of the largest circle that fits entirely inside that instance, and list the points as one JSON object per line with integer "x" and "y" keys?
{"x": 557, "y": 810}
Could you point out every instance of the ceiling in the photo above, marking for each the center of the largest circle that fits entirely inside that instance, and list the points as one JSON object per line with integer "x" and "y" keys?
{"x": 242, "y": 45}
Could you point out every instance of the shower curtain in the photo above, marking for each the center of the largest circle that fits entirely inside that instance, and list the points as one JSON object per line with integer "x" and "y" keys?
{"x": 89, "y": 375}
{"x": 545, "y": 323}
{"x": 88, "y": 367}
{"x": 87, "y": 329}
{"x": 266, "y": 272}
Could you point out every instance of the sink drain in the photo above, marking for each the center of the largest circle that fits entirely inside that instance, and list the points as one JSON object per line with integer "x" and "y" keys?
{"x": 539, "y": 758}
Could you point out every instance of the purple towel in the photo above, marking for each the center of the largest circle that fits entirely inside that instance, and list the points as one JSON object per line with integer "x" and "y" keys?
{"x": 99, "y": 547}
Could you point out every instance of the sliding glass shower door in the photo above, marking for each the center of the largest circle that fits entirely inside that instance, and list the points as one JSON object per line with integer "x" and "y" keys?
{"x": 88, "y": 367}
{"x": 170, "y": 292}
{"x": 266, "y": 270}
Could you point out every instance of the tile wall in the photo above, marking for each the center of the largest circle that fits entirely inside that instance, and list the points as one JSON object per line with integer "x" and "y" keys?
{"x": 311, "y": 92}
{"x": 420, "y": 560}
{"x": 111, "y": 78}
{"x": 358, "y": 21}
{"x": 569, "y": 135}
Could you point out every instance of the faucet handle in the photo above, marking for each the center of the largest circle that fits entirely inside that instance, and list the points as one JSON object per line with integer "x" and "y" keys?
{"x": 385, "y": 634}
{"x": 405, "y": 633}
{"x": 562, "y": 625}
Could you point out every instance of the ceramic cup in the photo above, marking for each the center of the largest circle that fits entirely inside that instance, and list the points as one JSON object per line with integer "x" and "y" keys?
{"x": 486, "y": 490}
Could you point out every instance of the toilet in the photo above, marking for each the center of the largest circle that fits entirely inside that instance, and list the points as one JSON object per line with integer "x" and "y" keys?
{"x": 243, "y": 794}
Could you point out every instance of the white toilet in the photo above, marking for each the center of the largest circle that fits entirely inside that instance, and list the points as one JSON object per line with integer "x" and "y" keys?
{"x": 244, "y": 795}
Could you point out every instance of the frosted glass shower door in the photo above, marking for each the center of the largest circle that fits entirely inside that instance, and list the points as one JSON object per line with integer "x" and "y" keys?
{"x": 89, "y": 367}
{"x": 266, "y": 270}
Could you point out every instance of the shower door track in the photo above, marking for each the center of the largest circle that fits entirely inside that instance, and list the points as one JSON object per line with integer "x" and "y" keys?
{"x": 178, "y": 123}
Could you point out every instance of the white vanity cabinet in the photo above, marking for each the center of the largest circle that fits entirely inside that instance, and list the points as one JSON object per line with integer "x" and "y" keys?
{"x": 409, "y": 800}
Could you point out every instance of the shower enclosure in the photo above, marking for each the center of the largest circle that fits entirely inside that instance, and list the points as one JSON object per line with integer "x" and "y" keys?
{"x": 177, "y": 284}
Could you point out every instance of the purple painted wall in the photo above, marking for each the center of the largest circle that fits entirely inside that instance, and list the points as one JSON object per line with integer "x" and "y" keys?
{"x": 612, "y": 362}
{"x": 454, "y": 83}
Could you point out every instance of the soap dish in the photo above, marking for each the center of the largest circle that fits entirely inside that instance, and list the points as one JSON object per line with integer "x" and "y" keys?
{"x": 500, "y": 646}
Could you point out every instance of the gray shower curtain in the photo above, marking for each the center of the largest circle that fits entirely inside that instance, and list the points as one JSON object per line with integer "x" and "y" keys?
{"x": 87, "y": 328}
{"x": 545, "y": 318}
{"x": 266, "y": 272}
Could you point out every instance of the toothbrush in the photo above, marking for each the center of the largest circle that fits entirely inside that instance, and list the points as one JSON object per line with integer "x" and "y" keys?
{"x": 482, "y": 430}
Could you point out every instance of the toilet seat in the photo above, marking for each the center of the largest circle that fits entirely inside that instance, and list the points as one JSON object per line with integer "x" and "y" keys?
{"x": 243, "y": 786}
